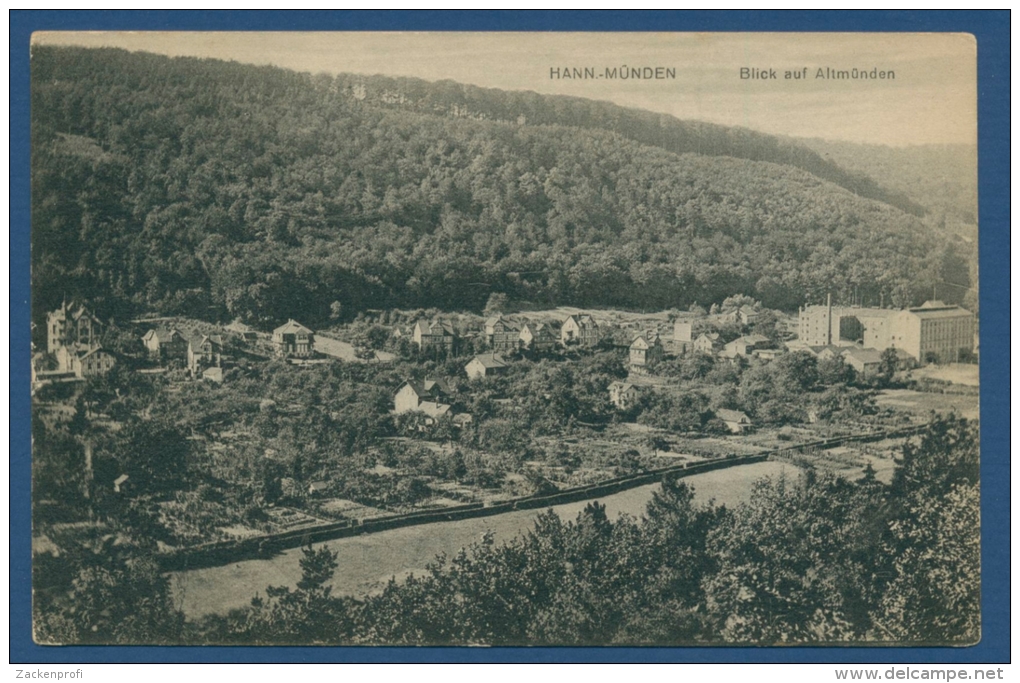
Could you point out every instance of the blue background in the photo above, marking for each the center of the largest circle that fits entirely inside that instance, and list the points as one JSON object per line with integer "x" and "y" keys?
{"x": 992, "y": 31}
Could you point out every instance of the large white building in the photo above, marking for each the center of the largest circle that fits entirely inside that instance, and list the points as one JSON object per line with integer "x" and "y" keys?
{"x": 933, "y": 332}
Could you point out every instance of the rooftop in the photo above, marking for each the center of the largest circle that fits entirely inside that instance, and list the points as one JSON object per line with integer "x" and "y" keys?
{"x": 292, "y": 327}
{"x": 490, "y": 360}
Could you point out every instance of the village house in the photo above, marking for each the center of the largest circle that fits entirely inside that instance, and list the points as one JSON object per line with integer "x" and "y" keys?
{"x": 434, "y": 335}
{"x": 412, "y": 394}
{"x": 485, "y": 365}
{"x": 431, "y": 398}
{"x": 502, "y": 334}
{"x": 744, "y": 346}
{"x": 204, "y": 351}
{"x": 434, "y": 410}
{"x": 735, "y": 420}
{"x": 647, "y": 348}
{"x": 120, "y": 484}
{"x": 166, "y": 344}
{"x": 580, "y": 329}
{"x": 745, "y": 315}
{"x": 624, "y": 395}
{"x": 707, "y": 342}
{"x": 537, "y": 337}
{"x": 293, "y": 339}
{"x": 71, "y": 325}
{"x": 85, "y": 362}
{"x": 866, "y": 362}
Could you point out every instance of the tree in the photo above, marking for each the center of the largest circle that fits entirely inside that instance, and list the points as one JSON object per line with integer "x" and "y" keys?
{"x": 946, "y": 456}
{"x": 155, "y": 454}
{"x": 308, "y": 615}
{"x": 336, "y": 310}
{"x": 936, "y": 595}
{"x": 799, "y": 563}
{"x": 887, "y": 365}
{"x": 113, "y": 599}
{"x": 835, "y": 370}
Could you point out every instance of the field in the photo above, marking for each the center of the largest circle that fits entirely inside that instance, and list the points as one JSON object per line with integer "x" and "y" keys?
{"x": 368, "y": 562}
{"x": 920, "y": 404}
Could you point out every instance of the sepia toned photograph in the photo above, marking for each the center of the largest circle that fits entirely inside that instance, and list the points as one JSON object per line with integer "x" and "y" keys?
{"x": 504, "y": 339}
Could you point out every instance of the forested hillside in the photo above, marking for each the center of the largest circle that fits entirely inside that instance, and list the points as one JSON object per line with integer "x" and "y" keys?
{"x": 650, "y": 128}
{"x": 214, "y": 189}
{"x": 942, "y": 178}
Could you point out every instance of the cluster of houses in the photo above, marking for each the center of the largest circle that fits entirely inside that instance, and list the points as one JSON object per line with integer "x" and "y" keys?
{"x": 626, "y": 395}
{"x": 933, "y": 332}
{"x": 710, "y": 343}
{"x": 73, "y": 348}
{"x": 507, "y": 335}
{"x": 203, "y": 354}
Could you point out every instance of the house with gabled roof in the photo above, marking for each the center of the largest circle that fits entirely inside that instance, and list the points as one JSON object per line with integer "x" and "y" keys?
{"x": 431, "y": 397}
{"x": 166, "y": 343}
{"x": 736, "y": 421}
{"x": 204, "y": 351}
{"x": 485, "y": 365}
{"x": 412, "y": 394}
{"x": 435, "y": 409}
{"x": 502, "y": 334}
{"x": 825, "y": 351}
{"x": 293, "y": 339}
{"x": 537, "y": 337}
{"x": 645, "y": 349}
{"x": 433, "y": 335}
{"x": 745, "y": 315}
{"x": 84, "y": 363}
{"x": 72, "y": 325}
{"x": 866, "y": 362}
{"x": 624, "y": 395}
{"x": 708, "y": 342}
{"x": 745, "y": 346}
{"x": 580, "y": 329}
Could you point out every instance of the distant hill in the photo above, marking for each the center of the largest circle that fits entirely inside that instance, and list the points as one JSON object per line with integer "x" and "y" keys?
{"x": 649, "y": 128}
{"x": 215, "y": 189}
{"x": 941, "y": 178}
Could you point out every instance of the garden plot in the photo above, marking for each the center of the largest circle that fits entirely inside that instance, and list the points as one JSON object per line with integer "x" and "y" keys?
{"x": 287, "y": 519}
{"x": 349, "y": 509}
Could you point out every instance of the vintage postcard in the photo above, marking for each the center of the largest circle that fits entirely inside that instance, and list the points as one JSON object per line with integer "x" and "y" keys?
{"x": 657, "y": 339}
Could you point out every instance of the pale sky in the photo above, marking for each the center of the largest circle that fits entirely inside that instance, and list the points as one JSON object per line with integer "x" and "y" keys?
{"x": 933, "y": 98}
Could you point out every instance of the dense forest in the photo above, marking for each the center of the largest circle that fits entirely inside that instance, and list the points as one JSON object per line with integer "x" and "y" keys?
{"x": 941, "y": 177}
{"x": 817, "y": 560}
{"x": 220, "y": 190}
